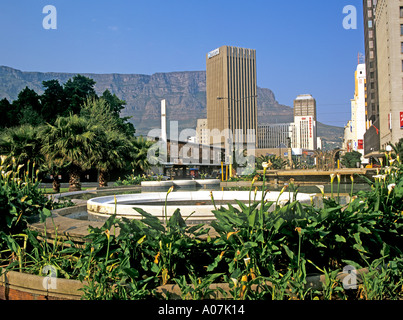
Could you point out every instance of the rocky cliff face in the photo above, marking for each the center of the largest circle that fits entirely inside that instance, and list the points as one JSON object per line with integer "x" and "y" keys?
{"x": 185, "y": 93}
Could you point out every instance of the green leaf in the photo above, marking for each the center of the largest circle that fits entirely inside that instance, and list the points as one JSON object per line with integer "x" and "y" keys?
{"x": 340, "y": 238}
{"x": 278, "y": 223}
{"x": 150, "y": 220}
{"x": 132, "y": 273}
{"x": 363, "y": 230}
{"x": 44, "y": 214}
{"x": 289, "y": 252}
{"x": 176, "y": 220}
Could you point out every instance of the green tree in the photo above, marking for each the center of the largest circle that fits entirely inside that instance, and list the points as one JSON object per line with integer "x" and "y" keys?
{"x": 98, "y": 112}
{"x": 8, "y": 114}
{"x": 29, "y": 107}
{"x": 116, "y": 106}
{"x": 138, "y": 157}
{"x": 76, "y": 91}
{"x": 71, "y": 140}
{"x": 53, "y": 100}
{"x": 350, "y": 159}
{"x": 23, "y": 143}
{"x": 112, "y": 148}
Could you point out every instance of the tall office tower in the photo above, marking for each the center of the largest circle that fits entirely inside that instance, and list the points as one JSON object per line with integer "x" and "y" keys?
{"x": 371, "y": 136}
{"x": 389, "y": 52}
{"x": 231, "y": 93}
{"x": 305, "y": 122}
{"x": 305, "y": 105}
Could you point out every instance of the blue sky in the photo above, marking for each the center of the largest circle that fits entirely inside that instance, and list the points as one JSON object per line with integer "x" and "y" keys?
{"x": 301, "y": 46}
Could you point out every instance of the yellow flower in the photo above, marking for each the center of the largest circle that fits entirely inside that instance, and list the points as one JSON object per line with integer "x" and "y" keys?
{"x": 298, "y": 229}
{"x": 322, "y": 189}
{"x": 231, "y": 233}
{"x": 391, "y": 187}
{"x": 107, "y": 233}
{"x": 170, "y": 190}
{"x": 352, "y": 178}
{"x": 222, "y": 254}
{"x": 156, "y": 258}
{"x": 332, "y": 175}
{"x": 284, "y": 188}
{"x": 338, "y": 177}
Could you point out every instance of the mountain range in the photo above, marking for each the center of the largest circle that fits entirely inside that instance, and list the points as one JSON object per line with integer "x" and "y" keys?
{"x": 184, "y": 92}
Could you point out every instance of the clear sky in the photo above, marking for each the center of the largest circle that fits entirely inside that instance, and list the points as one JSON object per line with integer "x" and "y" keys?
{"x": 301, "y": 46}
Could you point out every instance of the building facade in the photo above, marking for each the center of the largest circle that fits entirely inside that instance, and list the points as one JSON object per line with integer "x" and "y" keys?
{"x": 371, "y": 136}
{"x": 231, "y": 93}
{"x": 202, "y": 135}
{"x": 389, "y": 54}
{"x": 275, "y": 135}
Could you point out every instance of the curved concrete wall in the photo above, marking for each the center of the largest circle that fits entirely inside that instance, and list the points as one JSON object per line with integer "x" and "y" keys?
{"x": 102, "y": 207}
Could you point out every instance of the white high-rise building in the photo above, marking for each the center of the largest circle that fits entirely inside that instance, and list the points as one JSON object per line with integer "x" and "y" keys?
{"x": 355, "y": 129}
{"x": 305, "y": 123}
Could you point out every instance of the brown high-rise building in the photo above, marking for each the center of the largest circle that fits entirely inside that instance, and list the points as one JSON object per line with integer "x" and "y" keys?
{"x": 389, "y": 53}
{"x": 371, "y": 136}
{"x": 231, "y": 91}
{"x": 384, "y": 58}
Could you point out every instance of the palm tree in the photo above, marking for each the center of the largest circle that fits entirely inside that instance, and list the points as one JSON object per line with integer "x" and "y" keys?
{"x": 397, "y": 148}
{"x": 71, "y": 140}
{"x": 112, "y": 148}
{"x": 22, "y": 143}
{"x": 273, "y": 161}
{"x": 139, "y": 153}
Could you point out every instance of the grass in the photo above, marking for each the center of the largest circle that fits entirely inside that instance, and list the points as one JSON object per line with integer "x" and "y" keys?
{"x": 62, "y": 190}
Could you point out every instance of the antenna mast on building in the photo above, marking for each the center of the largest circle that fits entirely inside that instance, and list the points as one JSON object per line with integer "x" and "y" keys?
{"x": 360, "y": 58}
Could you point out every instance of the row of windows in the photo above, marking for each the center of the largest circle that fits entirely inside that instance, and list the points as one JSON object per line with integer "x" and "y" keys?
{"x": 401, "y": 33}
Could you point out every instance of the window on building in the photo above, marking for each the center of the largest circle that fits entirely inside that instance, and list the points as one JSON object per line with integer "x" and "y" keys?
{"x": 401, "y": 12}
{"x": 401, "y": 29}
{"x": 401, "y": 45}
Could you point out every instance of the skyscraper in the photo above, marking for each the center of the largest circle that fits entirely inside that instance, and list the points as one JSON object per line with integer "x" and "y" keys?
{"x": 231, "y": 92}
{"x": 305, "y": 105}
{"x": 355, "y": 128}
{"x": 371, "y": 136}
{"x": 389, "y": 52}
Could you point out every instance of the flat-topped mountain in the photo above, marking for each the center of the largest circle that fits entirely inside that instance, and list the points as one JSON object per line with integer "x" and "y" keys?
{"x": 185, "y": 93}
